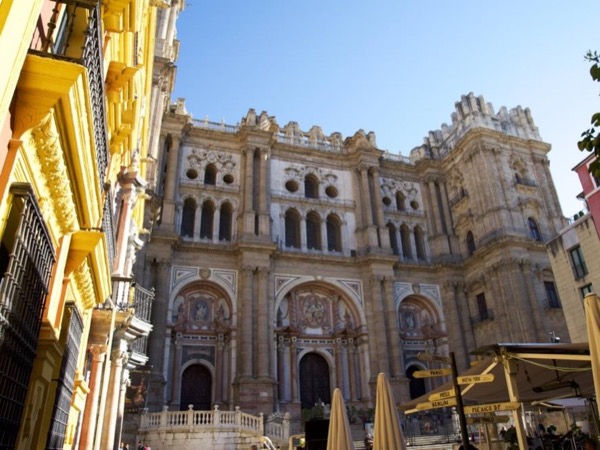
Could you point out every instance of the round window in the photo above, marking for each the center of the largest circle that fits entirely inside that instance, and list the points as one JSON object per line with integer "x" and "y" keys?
{"x": 414, "y": 205}
{"x": 291, "y": 186}
{"x": 331, "y": 191}
{"x": 228, "y": 179}
{"x": 386, "y": 201}
{"x": 192, "y": 174}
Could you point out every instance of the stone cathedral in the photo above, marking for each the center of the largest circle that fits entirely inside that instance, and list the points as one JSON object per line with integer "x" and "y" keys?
{"x": 286, "y": 262}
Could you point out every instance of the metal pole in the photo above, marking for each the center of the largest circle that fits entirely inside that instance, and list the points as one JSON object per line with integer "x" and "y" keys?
{"x": 459, "y": 404}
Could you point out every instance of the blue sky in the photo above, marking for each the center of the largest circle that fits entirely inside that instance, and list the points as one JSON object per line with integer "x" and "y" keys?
{"x": 394, "y": 67}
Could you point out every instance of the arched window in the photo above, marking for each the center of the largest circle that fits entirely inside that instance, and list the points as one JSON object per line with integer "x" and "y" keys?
{"x": 393, "y": 239}
{"x": 470, "y": 243}
{"x": 313, "y": 231}
{"x": 405, "y": 240}
{"x": 400, "y": 201}
{"x": 534, "y": 231}
{"x": 334, "y": 233}
{"x": 225, "y": 222}
{"x": 206, "y": 221}
{"x": 292, "y": 228}
{"x": 188, "y": 217}
{"x": 311, "y": 187}
{"x": 210, "y": 174}
{"x": 419, "y": 243}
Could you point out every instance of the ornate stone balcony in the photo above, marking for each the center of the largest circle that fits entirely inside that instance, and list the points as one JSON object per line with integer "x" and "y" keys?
{"x": 209, "y": 429}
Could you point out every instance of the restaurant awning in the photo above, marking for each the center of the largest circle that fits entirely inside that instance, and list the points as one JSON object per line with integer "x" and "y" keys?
{"x": 523, "y": 373}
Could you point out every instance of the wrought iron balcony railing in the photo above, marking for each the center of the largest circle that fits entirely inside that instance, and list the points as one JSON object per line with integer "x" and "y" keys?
{"x": 74, "y": 34}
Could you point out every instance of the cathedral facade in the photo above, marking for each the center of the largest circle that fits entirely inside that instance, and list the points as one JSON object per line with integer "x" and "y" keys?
{"x": 286, "y": 263}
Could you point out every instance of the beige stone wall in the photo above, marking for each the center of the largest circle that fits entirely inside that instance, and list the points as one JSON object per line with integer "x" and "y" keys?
{"x": 582, "y": 233}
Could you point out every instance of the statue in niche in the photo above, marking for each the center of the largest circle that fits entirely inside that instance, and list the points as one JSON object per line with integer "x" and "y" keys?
{"x": 178, "y": 309}
{"x": 409, "y": 319}
{"x": 283, "y": 313}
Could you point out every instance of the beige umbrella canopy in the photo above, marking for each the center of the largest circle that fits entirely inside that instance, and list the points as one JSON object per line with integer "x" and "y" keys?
{"x": 592, "y": 314}
{"x": 387, "y": 432}
{"x": 339, "y": 437}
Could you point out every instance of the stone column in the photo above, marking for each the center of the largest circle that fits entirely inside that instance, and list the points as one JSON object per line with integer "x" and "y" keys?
{"x": 366, "y": 196}
{"x": 384, "y": 237}
{"x": 118, "y": 358}
{"x": 352, "y": 369}
{"x": 197, "y": 221}
{"x": 263, "y": 325}
{"x": 248, "y": 208}
{"x": 168, "y": 216}
{"x": 294, "y": 365}
{"x": 459, "y": 321}
{"x": 281, "y": 382}
{"x": 264, "y": 219}
{"x": 393, "y": 332}
{"x": 219, "y": 375}
{"x": 339, "y": 367}
{"x": 324, "y": 242}
{"x": 121, "y": 408}
{"x": 303, "y": 233}
{"x": 246, "y": 322}
{"x": 435, "y": 207}
{"x": 537, "y": 331}
{"x": 216, "y": 224}
{"x": 379, "y": 331}
{"x": 160, "y": 275}
{"x": 90, "y": 415}
{"x": 170, "y": 35}
{"x": 176, "y": 374}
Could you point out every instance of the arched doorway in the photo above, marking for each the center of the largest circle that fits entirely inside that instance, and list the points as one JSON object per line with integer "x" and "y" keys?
{"x": 314, "y": 380}
{"x": 415, "y": 385}
{"x": 196, "y": 388}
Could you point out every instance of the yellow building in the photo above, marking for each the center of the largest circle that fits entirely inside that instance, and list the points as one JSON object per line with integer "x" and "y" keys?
{"x": 73, "y": 142}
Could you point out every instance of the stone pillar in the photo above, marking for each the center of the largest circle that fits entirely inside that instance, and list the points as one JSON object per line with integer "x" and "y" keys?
{"x": 170, "y": 35}
{"x": 176, "y": 374}
{"x": 118, "y": 358}
{"x": 536, "y": 330}
{"x": 324, "y": 242}
{"x": 121, "y": 408}
{"x": 219, "y": 375}
{"x": 263, "y": 325}
{"x": 264, "y": 219}
{"x": 458, "y": 324}
{"x": 158, "y": 337}
{"x": 248, "y": 208}
{"x": 393, "y": 332}
{"x": 168, "y": 215}
{"x": 352, "y": 369}
{"x": 435, "y": 207}
{"x": 281, "y": 382}
{"x": 303, "y": 233}
{"x": 90, "y": 415}
{"x": 379, "y": 331}
{"x": 384, "y": 237}
{"x": 339, "y": 366}
{"x": 246, "y": 322}
{"x": 197, "y": 221}
{"x": 294, "y": 374}
{"x": 366, "y": 196}
{"x": 216, "y": 225}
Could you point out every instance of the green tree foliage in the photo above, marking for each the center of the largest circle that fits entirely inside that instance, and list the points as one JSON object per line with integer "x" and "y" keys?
{"x": 591, "y": 138}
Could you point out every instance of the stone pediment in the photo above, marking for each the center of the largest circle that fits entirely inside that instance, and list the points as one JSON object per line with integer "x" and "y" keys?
{"x": 360, "y": 142}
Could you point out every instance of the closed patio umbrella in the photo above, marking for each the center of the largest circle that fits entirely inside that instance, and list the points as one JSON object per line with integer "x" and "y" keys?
{"x": 339, "y": 436}
{"x": 592, "y": 314}
{"x": 387, "y": 432}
